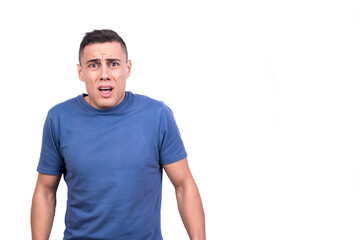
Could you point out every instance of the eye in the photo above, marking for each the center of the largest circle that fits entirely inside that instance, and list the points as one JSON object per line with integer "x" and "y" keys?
{"x": 92, "y": 65}
{"x": 114, "y": 64}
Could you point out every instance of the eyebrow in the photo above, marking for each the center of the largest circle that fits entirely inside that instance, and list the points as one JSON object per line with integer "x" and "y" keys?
{"x": 107, "y": 59}
{"x": 113, "y": 60}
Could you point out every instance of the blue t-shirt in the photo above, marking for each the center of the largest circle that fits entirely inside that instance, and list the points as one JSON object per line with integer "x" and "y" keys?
{"x": 112, "y": 164}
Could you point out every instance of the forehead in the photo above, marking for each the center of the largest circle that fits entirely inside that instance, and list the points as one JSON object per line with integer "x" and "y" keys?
{"x": 101, "y": 50}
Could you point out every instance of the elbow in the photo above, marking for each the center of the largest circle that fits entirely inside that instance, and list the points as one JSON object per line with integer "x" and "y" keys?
{"x": 44, "y": 194}
{"x": 186, "y": 186}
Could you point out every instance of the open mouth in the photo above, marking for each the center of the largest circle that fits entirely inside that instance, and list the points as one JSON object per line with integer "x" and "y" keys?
{"x": 105, "y": 91}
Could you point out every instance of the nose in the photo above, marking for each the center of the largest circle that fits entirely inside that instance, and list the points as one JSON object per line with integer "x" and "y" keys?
{"x": 104, "y": 73}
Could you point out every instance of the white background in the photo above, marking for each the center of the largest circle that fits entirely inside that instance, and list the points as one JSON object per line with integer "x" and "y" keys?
{"x": 265, "y": 93}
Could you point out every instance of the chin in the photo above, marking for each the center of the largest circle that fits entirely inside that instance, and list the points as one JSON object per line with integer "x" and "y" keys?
{"x": 103, "y": 104}
{"x": 107, "y": 106}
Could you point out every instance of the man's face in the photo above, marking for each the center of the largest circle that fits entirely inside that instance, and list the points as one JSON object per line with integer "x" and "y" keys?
{"x": 104, "y": 70}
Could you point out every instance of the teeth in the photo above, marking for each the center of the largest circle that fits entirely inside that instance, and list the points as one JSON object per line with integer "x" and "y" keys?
{"x": 106, "y": 88}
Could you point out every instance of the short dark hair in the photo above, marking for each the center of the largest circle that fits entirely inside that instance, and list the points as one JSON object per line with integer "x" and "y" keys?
{"x": 101, "y": 36}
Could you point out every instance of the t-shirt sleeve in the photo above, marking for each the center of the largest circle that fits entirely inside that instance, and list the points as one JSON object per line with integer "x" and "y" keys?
{"x": 171, "y": 145}
{"x": 51, "y": 162}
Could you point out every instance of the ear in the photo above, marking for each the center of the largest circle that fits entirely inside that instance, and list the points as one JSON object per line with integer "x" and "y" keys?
{"x": 80, "y": 73}
{"x": 128, "y": 66}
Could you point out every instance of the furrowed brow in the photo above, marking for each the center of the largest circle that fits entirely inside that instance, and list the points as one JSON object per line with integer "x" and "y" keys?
{"x": 93, "y": 61}
{"x": 113, "y": 60}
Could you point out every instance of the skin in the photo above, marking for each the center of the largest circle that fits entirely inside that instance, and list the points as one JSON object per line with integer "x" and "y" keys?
{"x": 105, "y": 64}
{"x": 188, "y": 198}
{"x": 43, "y": 206}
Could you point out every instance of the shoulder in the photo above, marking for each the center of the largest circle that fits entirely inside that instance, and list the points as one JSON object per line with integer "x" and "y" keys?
{"x": 64, "y": 107}
{"x": 147, "y": 102}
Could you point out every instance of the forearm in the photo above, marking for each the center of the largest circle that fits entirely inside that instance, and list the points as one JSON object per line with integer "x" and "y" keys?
{"x": 191, "y": 210}
{"x": 42, "y": 215}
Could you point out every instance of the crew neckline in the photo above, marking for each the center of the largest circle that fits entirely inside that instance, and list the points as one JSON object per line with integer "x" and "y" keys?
{"x": 116, "y": 109}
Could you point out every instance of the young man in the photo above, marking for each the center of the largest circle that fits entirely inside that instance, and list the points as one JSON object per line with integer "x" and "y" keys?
{"x": 111, "y": 146}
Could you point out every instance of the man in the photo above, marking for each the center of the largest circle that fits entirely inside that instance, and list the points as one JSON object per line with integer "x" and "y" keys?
{"x": 111, "y": 146}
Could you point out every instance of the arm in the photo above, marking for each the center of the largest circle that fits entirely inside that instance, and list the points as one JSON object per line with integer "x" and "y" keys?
{"x": 43, "y": 206}
{"x": 188, "y": 199}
